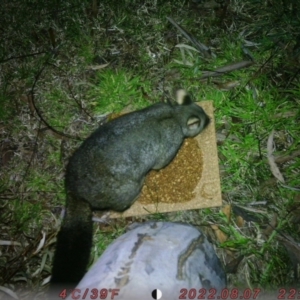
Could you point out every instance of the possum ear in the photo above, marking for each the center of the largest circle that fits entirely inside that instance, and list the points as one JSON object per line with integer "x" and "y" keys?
{"x": 183, "y": 98}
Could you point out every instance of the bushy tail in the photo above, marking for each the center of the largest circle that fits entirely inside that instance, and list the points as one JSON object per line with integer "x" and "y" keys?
{"x": 74, "y": 242}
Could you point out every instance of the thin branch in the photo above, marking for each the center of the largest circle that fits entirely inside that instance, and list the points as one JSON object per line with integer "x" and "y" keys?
{"x": 21, "y": 56}
{"x": 37, "y": 109}
{"x": 226, "y": 69}
{"x": 255, "y": 74}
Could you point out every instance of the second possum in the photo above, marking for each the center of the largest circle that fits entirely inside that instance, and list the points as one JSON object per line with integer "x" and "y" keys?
{"x": 108, "y": 171}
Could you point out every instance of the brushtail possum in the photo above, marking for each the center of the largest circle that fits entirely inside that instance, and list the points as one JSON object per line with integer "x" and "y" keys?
{"x": 108, "y": 170}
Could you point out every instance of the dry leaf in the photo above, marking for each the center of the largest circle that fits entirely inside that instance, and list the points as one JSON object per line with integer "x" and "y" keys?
{"x": 246, "y": 213}
{"x": 41, "y": 244}
{"x": 226, "y": 86}
{"x": 273, "y": 166}
{"x": 9, "y": 243}
{"x": 221, "y": 236}
{"x": 240, "y": 222}
{"x": 271, "y": 227}
{"x": 226, "y": 209}
{"x": 186, "y": 47}
{"x": 9, "y": 292}
{"x": 287, "y": 157}
{"x": 98, "y": 67}
{"x": 287, "y": 114}
{"x": 46, "y": 280}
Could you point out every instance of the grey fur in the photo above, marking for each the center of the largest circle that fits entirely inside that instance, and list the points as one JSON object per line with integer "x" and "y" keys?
{"x": 109, "y": 168}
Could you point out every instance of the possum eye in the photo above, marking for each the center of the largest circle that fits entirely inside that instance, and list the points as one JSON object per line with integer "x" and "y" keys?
{"x": 193, "y": 123}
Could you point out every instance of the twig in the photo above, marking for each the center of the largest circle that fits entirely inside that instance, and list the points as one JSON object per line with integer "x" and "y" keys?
{"x": 21, "y": 56}
{"x": 273, "y": 166}
{"x": 226, "y": 69}
{"x": 252, "y": 77}
{"x": 38, "y": 111}
{"x": 72, "y": 94}
{"x": 293, "y": 77}
{"x": 287, "y": 157}
{"x": 290, "y": 187}
{"x": 78, "y": 103}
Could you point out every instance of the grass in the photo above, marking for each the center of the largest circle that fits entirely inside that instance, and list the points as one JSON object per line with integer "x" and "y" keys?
{"x": 114, "y": 90}
{"x": 115, "y": 61}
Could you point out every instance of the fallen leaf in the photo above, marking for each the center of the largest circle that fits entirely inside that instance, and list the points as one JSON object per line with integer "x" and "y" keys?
{"x": 240, "y": 222}
{"x": 226, "y": 86}
{"x": 221, "y": 236}
{"x": 98, "y": 67}
{"x": 186, "y": 47}
{"x": 9, "y": 243}
{"x": 249, "y": 214}
{"x": 271, "y": 226}
{"x": 9, "y": 292}
{"x": 273, "y": 166}
{"x": 287, "y": 157}
{"x": 41, "y": 244}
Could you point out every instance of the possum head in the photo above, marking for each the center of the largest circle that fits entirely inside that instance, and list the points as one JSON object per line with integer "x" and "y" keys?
{"x": 191, "y": 116}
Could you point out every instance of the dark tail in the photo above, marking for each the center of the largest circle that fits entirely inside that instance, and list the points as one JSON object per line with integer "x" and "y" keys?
{"x": 74, "y": 242}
